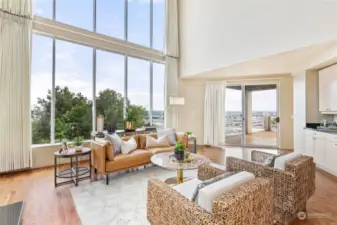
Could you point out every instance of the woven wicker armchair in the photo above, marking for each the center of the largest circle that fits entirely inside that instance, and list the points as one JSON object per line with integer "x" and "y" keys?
{"x": 250, "y": 203}
{"x": 292, "y": 186}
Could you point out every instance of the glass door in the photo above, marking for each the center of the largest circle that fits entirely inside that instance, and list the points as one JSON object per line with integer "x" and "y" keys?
{"x": 234, "y": 115}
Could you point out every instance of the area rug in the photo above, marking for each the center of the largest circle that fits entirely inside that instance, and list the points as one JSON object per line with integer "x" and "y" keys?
{"x": 123, "y": 201}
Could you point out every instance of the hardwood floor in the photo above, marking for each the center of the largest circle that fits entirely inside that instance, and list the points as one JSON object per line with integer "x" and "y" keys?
{"x": 265, "y": 138}
{"x": 46, "y": 205}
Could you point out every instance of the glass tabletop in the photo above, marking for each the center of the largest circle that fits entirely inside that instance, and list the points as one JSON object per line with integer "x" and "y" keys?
{"x": 11, "y": 214}
{"x": 167, "y": 161}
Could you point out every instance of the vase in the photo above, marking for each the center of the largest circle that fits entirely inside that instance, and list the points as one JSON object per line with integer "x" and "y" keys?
{"x": 129, "y": 125}
{"x": 78, "y": 148}
{"x": 179, "y": 155}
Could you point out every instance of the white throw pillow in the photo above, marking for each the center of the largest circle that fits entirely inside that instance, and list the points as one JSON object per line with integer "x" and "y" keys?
{"x": 128, "y": 146}
{"x": 281, "y": 161}
{"x": 170, "y": 133}
{"x": 209, "y": 193}
{"x": 116, "y": 141}
{"x": 151, "y": 142}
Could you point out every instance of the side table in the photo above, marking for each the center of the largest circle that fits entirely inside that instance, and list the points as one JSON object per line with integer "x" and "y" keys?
{"x": 73, "y": 174}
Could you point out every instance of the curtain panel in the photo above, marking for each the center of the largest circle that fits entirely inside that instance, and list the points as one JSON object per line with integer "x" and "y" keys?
{"x": 15, "y": 52}
{"x": 214, "y": 113}
{"x": 172, "y": 54}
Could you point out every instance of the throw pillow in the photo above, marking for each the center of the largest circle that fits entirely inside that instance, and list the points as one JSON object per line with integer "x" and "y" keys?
{"x": 210, "y": 181}
{"x": 128, "y": 146}
{"x": 116, "y": 141}
{"x": 170, "y": 133}
{"x": 156, "y": 143}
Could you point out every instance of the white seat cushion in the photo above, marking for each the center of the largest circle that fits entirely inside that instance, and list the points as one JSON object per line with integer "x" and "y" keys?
{"x": 281, "y": 161}
{"x": 187, "y": 188}
{"x": 209, "y": 193}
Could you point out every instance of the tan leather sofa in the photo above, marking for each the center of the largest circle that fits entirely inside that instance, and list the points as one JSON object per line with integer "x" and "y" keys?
{"x": 105, "y": 162}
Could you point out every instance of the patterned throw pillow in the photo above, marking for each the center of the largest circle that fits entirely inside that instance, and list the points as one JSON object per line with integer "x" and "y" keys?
{"x": 170, "y": 133}
{"x": 151, "y": 142}
{"x": 210, "y": 181}
{"x": 128, "y": 146}
{"x": 116, "y": 141}
{"x": 270, "y": 161}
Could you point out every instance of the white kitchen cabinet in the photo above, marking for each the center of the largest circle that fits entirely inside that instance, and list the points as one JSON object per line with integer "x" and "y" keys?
{"x": 319, "y": 150}
{"x": 328, "y": 90}
{"x": 331, "y": 159}
{"x": 309, "y": 143}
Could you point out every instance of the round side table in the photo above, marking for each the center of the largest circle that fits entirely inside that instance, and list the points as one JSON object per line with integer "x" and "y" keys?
{"x": 74, "y": 173}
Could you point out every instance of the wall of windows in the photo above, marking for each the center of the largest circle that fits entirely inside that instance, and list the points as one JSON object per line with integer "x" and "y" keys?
{"x": 136, "y": 21}
{"x": 70, "y": 113}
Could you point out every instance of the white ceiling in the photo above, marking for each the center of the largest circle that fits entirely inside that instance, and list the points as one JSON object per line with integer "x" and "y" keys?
{"x": 312, "y": 57}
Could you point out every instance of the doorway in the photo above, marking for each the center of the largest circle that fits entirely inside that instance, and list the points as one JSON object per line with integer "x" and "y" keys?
{"x": 252, "y": 115}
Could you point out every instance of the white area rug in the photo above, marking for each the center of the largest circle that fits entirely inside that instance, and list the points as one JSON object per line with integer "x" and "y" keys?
{"x": 123, "y": 201}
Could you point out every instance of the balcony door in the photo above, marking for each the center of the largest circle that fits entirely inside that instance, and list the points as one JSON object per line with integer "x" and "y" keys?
{"x": 252, "y": 116}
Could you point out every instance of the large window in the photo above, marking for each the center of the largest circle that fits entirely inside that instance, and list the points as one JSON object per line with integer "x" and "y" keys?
{"x": 110, "y": 70}
{"x": 110, "y": 18}
{"x": 70, "y": 113}
{"x": 73, "y": 91}
{"x": 133, "y": 19}
{"x": 139, "y": 86}
{"x": 41, "y": 85}
{"x": 158, "y": 95}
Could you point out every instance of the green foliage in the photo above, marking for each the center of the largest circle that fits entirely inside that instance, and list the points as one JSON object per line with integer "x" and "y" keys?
{"x": 135, "y": 114}
{"x": 179, "y": 146}
{"x": 78, "y": 141}
{"x": 73, "y": 114}
{"x": 188, "y": 132}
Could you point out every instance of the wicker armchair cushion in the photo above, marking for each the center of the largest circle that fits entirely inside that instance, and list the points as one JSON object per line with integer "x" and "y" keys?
{"x": 280, "y": 162}
{"x": 187, "y": 188}
{"x": 209, "y": 193}
{"x": 208, "y": 182}
{"x": 270, "y": 160}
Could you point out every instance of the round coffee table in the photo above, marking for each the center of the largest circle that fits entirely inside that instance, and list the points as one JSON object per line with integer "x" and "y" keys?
{"x": 166, "y": 160}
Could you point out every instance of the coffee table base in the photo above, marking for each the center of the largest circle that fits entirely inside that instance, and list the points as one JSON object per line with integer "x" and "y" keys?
{"x": 178, "y": 179}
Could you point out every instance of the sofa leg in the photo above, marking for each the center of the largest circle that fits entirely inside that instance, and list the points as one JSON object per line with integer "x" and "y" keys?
{"x": 107, "y": 179}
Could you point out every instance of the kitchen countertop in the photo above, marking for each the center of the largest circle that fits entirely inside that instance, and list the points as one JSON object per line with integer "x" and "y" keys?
{"x": 315, "y": 129}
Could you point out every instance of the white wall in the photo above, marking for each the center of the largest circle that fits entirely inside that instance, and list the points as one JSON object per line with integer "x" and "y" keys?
{"x": 219, "y": 33}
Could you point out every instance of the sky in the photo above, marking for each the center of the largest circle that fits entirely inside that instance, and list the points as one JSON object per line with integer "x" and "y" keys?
{"x": 73, "y": 65}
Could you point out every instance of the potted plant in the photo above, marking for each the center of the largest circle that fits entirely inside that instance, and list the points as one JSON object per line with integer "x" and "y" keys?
{"x": 130, "y": 119}
{"x": 78, "y": 143}
{"x": 179, "y": 151}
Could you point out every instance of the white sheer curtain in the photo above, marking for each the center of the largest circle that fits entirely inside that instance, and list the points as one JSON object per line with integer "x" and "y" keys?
{"x": 172, "y": 55}
{"x": 15, "y": 39}
{"x": 214, "y": 113}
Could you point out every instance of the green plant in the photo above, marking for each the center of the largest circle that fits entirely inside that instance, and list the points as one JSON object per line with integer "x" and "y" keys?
{"x": 78, "y": 141}
{"x": 135, "y": 114}
{"x": 179, "y": 146}
{"x": 188, "y": 133}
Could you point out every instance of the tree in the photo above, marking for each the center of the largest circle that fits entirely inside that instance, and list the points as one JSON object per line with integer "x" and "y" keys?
{"x": 74, "y": 111}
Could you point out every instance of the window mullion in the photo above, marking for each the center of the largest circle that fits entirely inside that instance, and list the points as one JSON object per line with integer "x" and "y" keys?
{"x": 151, "y": 93}
{"x": 151, "y": 23}
{"x": 53, "y": 96}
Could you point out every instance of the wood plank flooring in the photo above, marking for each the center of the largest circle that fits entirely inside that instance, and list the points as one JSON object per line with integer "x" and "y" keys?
{"x": 45, "y": 205}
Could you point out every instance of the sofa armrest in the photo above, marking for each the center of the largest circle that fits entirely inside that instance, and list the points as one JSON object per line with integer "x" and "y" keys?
{"x": 206, "y": 172}
{"x": 165, "y": 206}
{"x": 251, "y": 203}
{"x": 236, "y": 164}
{"x": 98, "y": 156}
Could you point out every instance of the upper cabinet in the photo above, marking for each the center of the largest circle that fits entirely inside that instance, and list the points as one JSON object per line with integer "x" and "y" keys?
{"x": 328, "y": 90}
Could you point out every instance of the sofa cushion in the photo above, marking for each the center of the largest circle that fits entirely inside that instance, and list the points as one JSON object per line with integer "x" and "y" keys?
{"x": 170, "y": 133}
{"x": 209, "y": 193}
{"x": 116, "y": 141}
{"x": 186, "y": 188}
{"x": 135, "y": 158}
{"x": 156, "y": 143}
{"x": 160, "y": 150}
{"x": 129, "y": 146}
{"x": 142, "y": 139}
{"x": 280, "y": 162}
